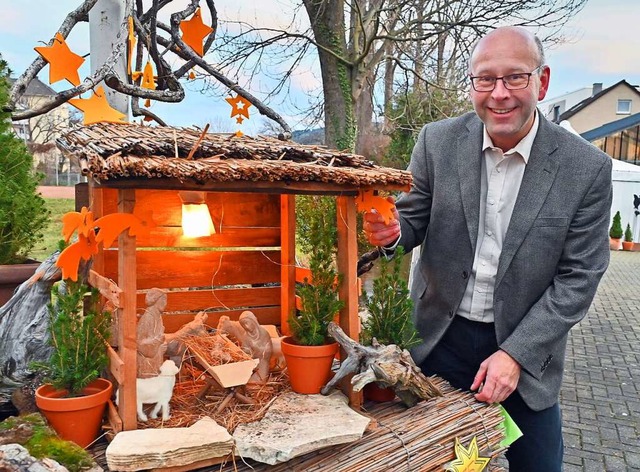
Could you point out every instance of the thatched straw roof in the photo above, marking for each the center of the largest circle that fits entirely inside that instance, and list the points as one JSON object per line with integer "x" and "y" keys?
{"x": 115, "y": 152}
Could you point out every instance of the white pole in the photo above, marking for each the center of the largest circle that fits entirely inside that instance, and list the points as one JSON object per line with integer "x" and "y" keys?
{"x": 105, "y": 19}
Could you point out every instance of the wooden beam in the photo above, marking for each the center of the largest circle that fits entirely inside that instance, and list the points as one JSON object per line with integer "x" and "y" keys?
{"x": 127, "y": 326}
{"x": 243, "y": 186}
{"x": 288, "y": 260}
{"x": 348, "y": 289}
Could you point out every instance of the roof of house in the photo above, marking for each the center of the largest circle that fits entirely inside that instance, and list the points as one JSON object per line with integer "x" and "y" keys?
{"x": 112, "y": 153}
{"x": 37, "y": 88}
{"x": 611, "y": 128}
{"x": 586, "y": 102}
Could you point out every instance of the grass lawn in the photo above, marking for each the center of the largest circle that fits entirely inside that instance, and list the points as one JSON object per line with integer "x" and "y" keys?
{"x": 53, "y": 231}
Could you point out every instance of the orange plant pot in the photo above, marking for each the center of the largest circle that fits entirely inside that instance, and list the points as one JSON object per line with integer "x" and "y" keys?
{"x": 76, "y": 419}
{"x": 627, "y": 245}
{"x": 309, "y": 367}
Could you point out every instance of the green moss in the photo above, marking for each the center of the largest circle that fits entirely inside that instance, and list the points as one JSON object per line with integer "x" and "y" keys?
{"x": 44, "y": 443}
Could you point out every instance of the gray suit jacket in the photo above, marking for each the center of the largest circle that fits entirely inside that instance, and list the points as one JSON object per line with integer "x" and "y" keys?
{"x": 554, "y": 253}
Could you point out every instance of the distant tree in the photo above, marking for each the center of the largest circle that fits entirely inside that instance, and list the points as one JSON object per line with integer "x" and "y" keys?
{"x": 416, "y": 45}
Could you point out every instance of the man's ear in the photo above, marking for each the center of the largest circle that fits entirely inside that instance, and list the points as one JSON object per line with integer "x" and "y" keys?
{"x": 545, "y": 75}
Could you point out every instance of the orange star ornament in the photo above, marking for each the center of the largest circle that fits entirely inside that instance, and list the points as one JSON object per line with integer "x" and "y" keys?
{"x": 367, "y": 201}
{"x": 97, "y": 109}
{"x": 63, "y": 63}
{"x": 194, "y": 31}
{"x": 239, "y": 106}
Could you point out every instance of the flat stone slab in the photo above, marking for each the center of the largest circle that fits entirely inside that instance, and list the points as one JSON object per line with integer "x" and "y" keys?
{"x": 168, "y": 447}
{"x": 298, "y": 424}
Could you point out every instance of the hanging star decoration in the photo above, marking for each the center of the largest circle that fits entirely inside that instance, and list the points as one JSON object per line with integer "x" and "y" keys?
{"x": 97, "y": 109}
{"x": 194, "y": 31}
{"x": 148, "y": 81}
{"x": 63, "y": 63}
{"x": 239, "y": 106}
{"x": 368, "y": 200}
{"x": 131, "y": 43}
{"x": 467, "y": 460}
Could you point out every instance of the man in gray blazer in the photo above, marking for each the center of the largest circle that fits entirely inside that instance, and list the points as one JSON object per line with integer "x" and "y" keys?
{"x": 512, "y": 213}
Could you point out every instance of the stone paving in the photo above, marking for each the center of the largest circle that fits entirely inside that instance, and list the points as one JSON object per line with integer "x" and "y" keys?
{"x": 600, "y": 398}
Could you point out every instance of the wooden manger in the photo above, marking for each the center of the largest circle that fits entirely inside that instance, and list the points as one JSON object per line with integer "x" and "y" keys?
{"x": 249, "y": 263}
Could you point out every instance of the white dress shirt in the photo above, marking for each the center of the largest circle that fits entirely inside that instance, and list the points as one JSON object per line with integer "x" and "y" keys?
{"x": 500, "y": 181}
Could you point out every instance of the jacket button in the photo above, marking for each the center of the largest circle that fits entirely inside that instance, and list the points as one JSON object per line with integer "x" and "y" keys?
{"x": 465, "y": 274}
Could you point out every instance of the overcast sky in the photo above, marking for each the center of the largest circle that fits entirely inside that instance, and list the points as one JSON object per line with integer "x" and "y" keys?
{"x": 603, "y": 47}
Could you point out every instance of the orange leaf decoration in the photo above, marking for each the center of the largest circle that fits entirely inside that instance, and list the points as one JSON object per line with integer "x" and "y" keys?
{"x": 115, "y": 223}
{"x": 69, "y": 259}
{"x": 367, "y": 201}
{"x": 82, "y": 222}
{"x": 110, "y": 226}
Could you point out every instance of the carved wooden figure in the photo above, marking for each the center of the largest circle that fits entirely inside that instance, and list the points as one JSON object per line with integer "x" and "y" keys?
{"x": 150, "y": 334}
{"x": 254, "y": 339}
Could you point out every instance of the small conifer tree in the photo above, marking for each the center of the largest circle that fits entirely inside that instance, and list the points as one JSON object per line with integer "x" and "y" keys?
{"x": 390, "y": 307}
{"x": 628, "y": 234}
{"x": 79, "y": 328}
{"x": 616, "y": 227}
{"x": 319, "y": 296}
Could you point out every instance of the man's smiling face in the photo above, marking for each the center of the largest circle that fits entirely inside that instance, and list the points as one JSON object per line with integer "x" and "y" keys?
{"x": 508, "y": 114}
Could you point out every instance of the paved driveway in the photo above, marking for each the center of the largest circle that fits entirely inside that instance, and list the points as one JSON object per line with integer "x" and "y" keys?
{"x": 601, "y": 391}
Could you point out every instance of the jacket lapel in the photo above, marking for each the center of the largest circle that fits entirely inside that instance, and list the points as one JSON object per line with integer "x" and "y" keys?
{"x": 537, "y": 180}
{"x": 469, "y": 157}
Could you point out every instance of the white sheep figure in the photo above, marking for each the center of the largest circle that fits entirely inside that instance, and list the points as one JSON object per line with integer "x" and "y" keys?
{"x": 156, "y": 390}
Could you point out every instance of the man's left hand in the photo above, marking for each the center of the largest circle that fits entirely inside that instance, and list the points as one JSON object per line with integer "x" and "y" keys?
{"x": 500, "y": 374}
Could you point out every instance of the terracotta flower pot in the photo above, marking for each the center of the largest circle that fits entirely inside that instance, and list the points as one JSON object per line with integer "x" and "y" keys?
{"x": 309, "y": 367}
{"x": 12, "y": 276}
{"x": 374, "y": 392}
{"x": 627, "y": 245}
{"x": 615, "y": 244}
{"x": 76, "y": 419}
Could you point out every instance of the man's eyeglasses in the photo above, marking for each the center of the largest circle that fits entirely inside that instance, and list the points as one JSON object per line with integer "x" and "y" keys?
{"x": 486, "y": 83}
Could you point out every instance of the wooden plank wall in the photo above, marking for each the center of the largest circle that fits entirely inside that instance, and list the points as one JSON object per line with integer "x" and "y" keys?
{"x": 236, "y": 268}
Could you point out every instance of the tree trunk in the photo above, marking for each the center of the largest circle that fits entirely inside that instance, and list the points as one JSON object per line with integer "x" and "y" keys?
{"x": 327, "y": 22}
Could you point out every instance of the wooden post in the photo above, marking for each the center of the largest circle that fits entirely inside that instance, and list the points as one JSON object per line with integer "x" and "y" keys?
{"x": 348, "y": 290}
{"x": 287, "y": 260}
{"x": 127, "y": 340}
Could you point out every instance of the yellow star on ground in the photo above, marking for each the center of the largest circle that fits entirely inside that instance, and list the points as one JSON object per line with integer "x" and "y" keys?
{"x": 467, "y": 460}
{"x": 239, "y": 106}
{"x": 63, "y": 63}
{"x": 194, "y": 31}
{"x": 97, "y": 109}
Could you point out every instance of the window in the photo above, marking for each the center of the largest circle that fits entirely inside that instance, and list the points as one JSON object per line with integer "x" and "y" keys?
{"x": 624, "y": 107}
{"x": 556, "y": 113}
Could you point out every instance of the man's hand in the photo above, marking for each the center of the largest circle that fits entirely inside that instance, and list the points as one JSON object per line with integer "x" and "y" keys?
{"x": 500, "y": 374}
{"x": 378, "y": 233}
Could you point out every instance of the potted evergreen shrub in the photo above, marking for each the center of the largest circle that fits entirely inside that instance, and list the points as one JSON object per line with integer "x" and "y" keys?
{"x": 627, "y": 244}
{"x": 615, "y": 232}
{"x": 74, "y": 399}
{"x": 389, "y": 318}
{"x": 23, "y": 214}
{"x": 309, "y": 352}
